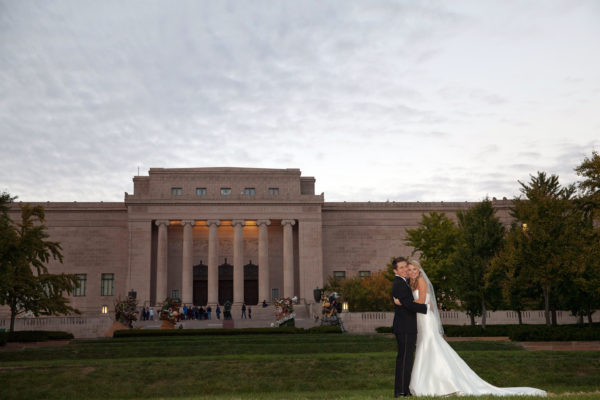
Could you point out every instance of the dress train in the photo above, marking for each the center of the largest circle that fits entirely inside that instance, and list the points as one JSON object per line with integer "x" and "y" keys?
{"x": 439, "y": 371}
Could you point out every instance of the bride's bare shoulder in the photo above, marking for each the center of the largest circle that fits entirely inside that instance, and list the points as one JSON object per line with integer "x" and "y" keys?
{"x": 421, "y": 284}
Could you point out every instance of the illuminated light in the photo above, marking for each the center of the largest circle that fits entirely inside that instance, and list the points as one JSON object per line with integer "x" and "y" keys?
{"x": 251, "y": 222}
{"x": 345, "y": 306}
{"x": 525, "y": 228}
{"x": 104, "y": 309}
{"x": 175, "y": 222}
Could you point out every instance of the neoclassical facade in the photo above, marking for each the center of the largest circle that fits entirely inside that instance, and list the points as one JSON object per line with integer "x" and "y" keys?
{"x": 207, "y": 235}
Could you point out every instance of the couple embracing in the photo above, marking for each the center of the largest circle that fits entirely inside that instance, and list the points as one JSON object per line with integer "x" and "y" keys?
{"x": 437, "y": 369}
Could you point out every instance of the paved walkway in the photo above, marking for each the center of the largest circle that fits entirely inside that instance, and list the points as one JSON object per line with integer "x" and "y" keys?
{"x": 556, "y": 346}
{"x": 477, "y": 339}
{"x": 561, "y": 346}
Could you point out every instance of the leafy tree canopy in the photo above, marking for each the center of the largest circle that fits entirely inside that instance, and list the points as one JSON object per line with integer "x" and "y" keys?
{"x": 25, "y": 282}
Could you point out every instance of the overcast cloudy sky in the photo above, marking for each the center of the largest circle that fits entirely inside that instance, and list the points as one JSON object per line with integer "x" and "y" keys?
{"x": 378, "y": 100}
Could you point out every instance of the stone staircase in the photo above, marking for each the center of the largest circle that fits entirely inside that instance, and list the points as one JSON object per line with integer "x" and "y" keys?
{"x": 261, "y": 318}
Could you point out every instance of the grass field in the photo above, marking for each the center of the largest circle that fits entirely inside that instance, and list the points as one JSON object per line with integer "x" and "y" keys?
{"x": 267, "y": 367}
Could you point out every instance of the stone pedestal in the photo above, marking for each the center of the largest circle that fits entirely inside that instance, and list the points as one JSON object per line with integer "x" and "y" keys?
{"x": 167, "y": 324}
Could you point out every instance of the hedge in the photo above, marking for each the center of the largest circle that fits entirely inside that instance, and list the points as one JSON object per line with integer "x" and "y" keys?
{"x": 33, "y": 336}
{"x": 521, "y": 333}
{"x": 205, "y": 332}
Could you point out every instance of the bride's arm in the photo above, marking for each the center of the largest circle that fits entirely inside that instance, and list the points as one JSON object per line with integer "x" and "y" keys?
{"x": 422, "y": 287}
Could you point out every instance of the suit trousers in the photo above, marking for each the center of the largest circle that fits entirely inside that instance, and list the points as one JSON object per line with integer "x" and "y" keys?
{"x": 404, "y": 362}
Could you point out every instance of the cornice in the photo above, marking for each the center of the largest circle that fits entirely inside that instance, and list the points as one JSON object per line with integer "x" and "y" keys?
{"x": 170, "y": 202}
{"x": 73, "y": 206}
{"x": 225, "y": 170}
{"x": 408, "y": 206}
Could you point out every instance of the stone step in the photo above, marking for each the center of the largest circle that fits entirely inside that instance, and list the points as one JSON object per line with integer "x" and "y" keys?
{"x": 261, "y": 318}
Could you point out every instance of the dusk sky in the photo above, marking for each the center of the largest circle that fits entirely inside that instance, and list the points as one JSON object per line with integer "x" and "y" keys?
{"x": 378, "y": 100}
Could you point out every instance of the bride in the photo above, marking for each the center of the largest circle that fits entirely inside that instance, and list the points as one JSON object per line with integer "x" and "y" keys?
{"x": 438, "y": 370}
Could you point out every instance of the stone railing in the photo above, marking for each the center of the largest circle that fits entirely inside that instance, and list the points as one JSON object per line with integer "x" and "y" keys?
{"x": 366, "y": 322}
{"x": 79, "y": 326}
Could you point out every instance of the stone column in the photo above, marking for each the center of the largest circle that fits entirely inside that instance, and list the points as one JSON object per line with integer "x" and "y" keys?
{"x": 264, "y": 279}
{"x": 187, "y": 272}
{"x": 213, "y": 261}
{"x": 238, "y": 261}
{"x": 288, "y": 257}
{"x": 161, "y": 262}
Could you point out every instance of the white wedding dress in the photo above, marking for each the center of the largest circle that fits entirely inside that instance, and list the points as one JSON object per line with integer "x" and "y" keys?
{"x": 438, "y": 370}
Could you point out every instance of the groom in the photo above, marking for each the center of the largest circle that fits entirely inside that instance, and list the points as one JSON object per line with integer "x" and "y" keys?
{"x": 405, "y": 326}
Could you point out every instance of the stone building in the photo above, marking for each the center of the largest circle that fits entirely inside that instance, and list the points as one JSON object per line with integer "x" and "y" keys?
{"x": 207, "y": 235}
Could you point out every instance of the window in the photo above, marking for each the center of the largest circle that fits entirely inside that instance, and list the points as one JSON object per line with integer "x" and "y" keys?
{"x": 176, "y": 191}
{"x": 249, "y": 191}
{"x": 200, "y": 191}
{"x": 274, "y": 293}
{"x": 273, "y": 191}
{"x": 81, "y": 285}
{"x": 107, "y": 287}
{"x": 225, "y": 191}
{"x": 364, "y": 274}
{"x": 175, "y": 293}
{"x": 339, "y": 274}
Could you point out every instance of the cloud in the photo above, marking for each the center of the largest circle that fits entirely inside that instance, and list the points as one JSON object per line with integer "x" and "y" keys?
{"x": 370, "y": 98}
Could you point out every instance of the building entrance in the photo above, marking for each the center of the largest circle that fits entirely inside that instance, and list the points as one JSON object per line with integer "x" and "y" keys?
{"x": 200, "y": 284}
{"x": 251, "y": 283}
{"x": 225, "y": 283}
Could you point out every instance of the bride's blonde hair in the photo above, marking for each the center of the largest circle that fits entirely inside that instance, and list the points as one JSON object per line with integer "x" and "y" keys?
{"x": 413, "y": 282}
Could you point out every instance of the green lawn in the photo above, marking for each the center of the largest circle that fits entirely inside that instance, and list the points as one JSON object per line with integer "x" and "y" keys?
{"x": 267, "y": 367}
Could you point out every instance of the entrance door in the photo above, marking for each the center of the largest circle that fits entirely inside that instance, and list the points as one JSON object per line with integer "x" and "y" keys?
{"x": 225, "y": 283}
{"x": 251, "y": 284}
{"x": 200, "y": 284}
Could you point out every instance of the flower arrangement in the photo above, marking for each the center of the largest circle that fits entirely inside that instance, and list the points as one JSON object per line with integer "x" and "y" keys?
{"x": 126, "y": 310}
{"x": 284, "y": 311}
{"x": 170, "y": 309}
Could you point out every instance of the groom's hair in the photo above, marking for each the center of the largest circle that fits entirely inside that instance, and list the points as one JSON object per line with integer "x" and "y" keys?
{"x": 397, "y": 260}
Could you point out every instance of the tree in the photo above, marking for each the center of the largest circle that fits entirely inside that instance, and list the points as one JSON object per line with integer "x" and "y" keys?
{"x": 509, "y": 267}
{"x": 590, "y": 185}
{"x": 546, "y": 247}
{"x": 481, "y": 238}
{"x": 585, "y": 285}
{"x": 25, "y": 283}
{"x": 371, "y": 293}
{"x": 436, "y": 240}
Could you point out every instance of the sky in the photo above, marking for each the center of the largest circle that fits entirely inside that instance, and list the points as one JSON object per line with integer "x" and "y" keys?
{"x": 378, "y": 100}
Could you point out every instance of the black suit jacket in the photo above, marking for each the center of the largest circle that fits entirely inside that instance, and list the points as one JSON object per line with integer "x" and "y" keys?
{"x": 405, "y": 316}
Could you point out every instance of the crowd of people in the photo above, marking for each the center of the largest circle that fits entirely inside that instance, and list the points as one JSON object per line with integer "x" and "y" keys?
{"x": 185, "y": 313}
{"x": 195, "y": 312}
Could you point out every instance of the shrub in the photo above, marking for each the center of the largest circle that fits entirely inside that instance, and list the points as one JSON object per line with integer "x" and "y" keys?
{"x": 521, "y": 333}
{"x": 228, "y": 332}
{"x": 555, "y": 333}
{"x": 325, "y": 329}
{"x": 34, "y": 336}
{"x": 201, "y": 332}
